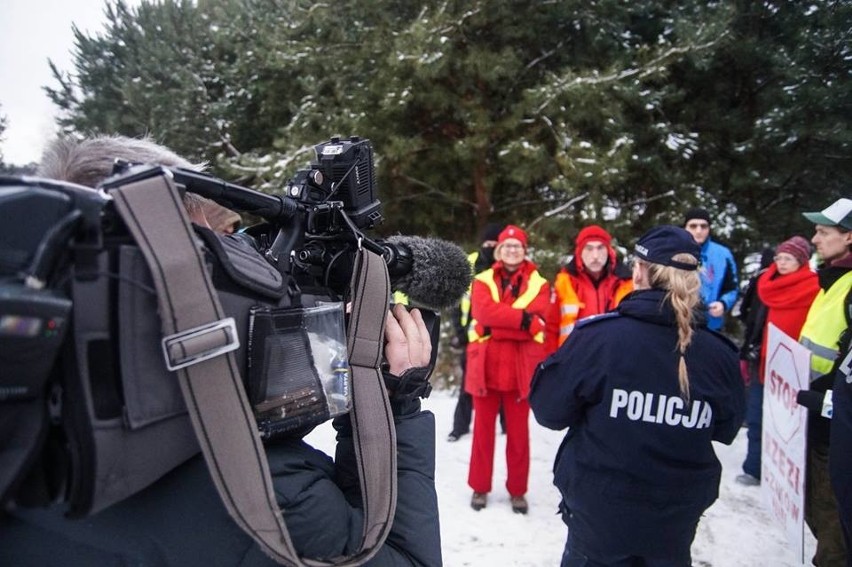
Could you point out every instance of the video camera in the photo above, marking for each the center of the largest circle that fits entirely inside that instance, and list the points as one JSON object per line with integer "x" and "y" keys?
{"x": 322, "y": 211}
{"x": 309, "y": 235}
{"x": 69, "y": 269}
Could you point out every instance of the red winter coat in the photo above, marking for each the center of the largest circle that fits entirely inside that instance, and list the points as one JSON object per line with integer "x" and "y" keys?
{"x": 501, "y": 356}
{"x": 788, "y": 299}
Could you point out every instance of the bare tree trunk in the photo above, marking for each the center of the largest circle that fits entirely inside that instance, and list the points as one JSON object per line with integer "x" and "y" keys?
{"x": 482, "y": 195}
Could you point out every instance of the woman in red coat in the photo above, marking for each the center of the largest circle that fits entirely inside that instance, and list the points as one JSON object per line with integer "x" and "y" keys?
{"x": 787, "y": 288}
{"x": 506, "y": 342}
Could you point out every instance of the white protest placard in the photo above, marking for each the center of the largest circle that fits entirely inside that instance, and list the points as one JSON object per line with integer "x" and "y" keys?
{"x": 783, "y": 453}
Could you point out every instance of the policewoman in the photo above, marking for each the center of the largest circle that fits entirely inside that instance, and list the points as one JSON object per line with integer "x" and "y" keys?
{"x": 644, "y": 391}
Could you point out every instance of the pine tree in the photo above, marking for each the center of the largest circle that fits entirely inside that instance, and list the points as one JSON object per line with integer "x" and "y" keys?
{"x": 551, "y": 115}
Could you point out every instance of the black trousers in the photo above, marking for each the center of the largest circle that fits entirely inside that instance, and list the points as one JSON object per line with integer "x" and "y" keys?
{"x": 464, "y": 407}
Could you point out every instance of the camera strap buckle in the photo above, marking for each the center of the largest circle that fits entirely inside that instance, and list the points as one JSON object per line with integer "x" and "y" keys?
{"x": 200, "y": 343}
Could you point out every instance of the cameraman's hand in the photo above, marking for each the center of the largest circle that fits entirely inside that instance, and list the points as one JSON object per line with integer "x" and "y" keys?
{"x": 407, "y": 341}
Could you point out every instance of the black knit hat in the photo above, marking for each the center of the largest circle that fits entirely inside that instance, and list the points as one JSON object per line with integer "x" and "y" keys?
{"x": 491, "y": 231}
{"x": 661, "y": 243}
{"x": 696, "y": 213}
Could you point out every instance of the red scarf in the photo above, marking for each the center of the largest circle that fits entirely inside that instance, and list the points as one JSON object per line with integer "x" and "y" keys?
{"x": 788, "y": 299}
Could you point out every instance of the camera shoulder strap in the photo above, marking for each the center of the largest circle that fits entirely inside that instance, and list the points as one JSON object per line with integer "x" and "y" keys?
{"x": 194, "y": 326}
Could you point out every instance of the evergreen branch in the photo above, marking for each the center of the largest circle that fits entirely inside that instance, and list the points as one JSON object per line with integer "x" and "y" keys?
{"x": 653, "y": 66}
{"x": 669, "y": 193}
{"x": 544, "y": 56}
{"x": 430, "y": 190}
{"x": 557, "y": 210}
{"x": 229, "y": 148}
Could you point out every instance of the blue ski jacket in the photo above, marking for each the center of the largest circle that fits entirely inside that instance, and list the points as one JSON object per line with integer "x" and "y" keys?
{"x": 718, "y": 279}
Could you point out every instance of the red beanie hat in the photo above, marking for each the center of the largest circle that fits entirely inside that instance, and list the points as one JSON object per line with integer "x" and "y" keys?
{"x": 512, "y": 231}
{"x": 797, "y": 247}
{"x": 592, "y": 232}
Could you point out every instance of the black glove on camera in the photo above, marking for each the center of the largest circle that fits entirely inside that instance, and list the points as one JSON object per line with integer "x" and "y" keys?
{"x": 414, "y": 383}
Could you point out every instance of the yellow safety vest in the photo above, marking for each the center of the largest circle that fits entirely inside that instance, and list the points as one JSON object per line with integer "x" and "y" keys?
{"x": 464, "y": 304}
{"x": 825, "y": 322}
{"x": 536, "y": 283}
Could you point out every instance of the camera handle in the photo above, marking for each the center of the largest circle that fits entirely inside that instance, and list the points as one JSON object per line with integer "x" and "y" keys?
{"x": 222, "y": 419}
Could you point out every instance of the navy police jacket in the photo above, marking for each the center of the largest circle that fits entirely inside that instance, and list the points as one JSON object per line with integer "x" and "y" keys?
{"x": 636, "y": 454}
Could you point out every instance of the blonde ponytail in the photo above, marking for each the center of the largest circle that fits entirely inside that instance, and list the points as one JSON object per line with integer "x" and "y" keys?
{"x": 682, "y": 288}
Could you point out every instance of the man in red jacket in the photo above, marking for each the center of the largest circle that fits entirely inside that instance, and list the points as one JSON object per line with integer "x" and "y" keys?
{"x": 592, "y": 283}
{"x": 509, "y": 302}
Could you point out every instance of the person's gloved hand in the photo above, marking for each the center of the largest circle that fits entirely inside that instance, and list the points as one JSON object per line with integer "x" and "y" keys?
{"x": 536, "y": 325}
{"x": 532, "y": 323}
{"x": 820, "y": 403}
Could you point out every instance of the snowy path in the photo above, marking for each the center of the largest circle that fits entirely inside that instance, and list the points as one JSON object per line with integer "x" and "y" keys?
{"x": 735, "y": 532}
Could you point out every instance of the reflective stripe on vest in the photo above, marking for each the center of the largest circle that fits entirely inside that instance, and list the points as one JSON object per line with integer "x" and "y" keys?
{"x": 464, "y": 303}
{"x": 825, "y": 322}
{"x": 534, "y": 286}
{"x": 569, "y": 305}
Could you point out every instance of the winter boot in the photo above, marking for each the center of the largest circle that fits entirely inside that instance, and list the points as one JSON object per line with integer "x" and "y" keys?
{"x": 479, "y": 501}
{"x": 519, "y": 505}
{"x": 748, "y": 480}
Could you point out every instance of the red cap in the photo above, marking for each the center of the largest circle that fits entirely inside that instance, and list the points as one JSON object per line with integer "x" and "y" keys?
{"x": 588, "y": 234}
{"x": 512, "y": 231}
{"x": 592, "y": 232}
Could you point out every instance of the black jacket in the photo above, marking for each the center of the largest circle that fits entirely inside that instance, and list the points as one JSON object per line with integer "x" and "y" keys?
{"x": 637, "y": 466}
{"x": 180, "y": 519}
{"x": 753, "y": 314}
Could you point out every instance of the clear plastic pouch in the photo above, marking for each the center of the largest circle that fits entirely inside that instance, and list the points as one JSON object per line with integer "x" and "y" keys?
{"x": 298, "y": 367}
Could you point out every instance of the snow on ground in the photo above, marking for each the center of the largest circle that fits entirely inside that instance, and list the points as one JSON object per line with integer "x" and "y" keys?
{"x": 735, "y": 532}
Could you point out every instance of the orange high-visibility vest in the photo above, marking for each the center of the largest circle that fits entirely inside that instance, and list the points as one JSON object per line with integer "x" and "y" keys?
{"x": 570, "y": 304}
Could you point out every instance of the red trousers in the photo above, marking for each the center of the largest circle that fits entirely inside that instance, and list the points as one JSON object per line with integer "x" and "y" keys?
{"x": 485, "y": 411}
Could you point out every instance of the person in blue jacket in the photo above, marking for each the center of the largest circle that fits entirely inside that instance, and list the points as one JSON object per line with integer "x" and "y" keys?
{"x": 719, "y": 287}
{"x": 644, "y": 391}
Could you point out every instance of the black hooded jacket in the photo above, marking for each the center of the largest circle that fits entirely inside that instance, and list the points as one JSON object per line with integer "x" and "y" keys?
{"x": 180, "y": 520}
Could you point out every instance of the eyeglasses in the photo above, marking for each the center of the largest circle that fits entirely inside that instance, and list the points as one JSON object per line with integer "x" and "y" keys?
{"x": 784, "y": 258}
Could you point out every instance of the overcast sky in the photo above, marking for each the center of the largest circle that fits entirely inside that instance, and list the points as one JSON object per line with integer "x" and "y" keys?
{"x": 31, "y": 32}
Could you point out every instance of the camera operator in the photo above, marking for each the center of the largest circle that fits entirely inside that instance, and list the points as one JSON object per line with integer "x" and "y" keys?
{"x": 180, "y": 519}
{"x": 89, "y": 161}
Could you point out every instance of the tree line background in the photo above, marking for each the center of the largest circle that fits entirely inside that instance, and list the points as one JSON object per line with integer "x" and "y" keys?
{"x": 551, "y": 114}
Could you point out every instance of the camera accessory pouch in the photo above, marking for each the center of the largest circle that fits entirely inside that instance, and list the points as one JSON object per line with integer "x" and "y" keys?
{"x": 298, "y": 367}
